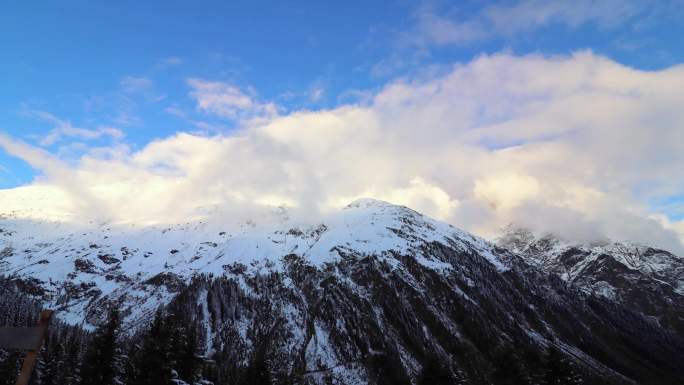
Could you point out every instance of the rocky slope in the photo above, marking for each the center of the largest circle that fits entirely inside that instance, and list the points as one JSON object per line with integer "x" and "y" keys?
{"x": 77, "y": 269}
{"x": 375, "y": 294}
{"x": 643, "y": 278}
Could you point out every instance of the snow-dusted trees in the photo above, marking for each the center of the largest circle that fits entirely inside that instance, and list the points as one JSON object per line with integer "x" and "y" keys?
{"x": 102, "y": 361}
{"x": 167, "y": 353}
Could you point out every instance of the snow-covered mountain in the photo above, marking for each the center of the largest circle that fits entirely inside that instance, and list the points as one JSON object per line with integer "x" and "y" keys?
{"x": 644, "y": 278}
{"x": 373, "y": 294}
{"x": 77, "y": 268}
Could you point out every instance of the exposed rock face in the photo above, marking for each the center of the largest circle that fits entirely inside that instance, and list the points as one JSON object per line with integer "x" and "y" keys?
{"x": 376, "y": 294}
{"x": 643, "y": 278}
{"x": 368, "y": 320}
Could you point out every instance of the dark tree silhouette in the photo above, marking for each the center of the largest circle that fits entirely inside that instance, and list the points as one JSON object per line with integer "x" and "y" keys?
{"x": 101, "y": 364}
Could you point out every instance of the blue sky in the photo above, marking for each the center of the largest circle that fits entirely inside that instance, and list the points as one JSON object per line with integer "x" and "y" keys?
{"x": 69, "y": 58}
{"x": 78, "y": 76}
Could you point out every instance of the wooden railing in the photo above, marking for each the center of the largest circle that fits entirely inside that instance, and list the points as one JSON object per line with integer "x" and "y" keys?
{"x": 29, "y": 339}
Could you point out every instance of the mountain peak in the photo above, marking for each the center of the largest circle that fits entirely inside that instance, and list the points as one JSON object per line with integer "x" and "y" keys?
{"x": 369, "y": 202}
{"x": 113, "y": 260}
{"x": 372, "y": 271}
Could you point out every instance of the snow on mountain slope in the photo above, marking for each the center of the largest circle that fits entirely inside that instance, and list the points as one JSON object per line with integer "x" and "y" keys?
{"x": 644, "y": 278}
{"x": 77, "y": 267}
{"x": 38, "y": 202}
{"x": 372, "y": 294}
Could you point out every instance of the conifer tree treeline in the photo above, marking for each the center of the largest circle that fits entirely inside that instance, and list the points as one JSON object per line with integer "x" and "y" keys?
{"x": 168, "y": 353}
{"x": 102, "y": 362}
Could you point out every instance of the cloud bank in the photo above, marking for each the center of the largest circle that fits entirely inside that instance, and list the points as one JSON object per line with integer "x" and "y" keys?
{"x": 572, "y": 144}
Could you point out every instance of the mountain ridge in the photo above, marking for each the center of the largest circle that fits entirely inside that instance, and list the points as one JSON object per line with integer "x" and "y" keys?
{"x": 375, "y": 294}
{"x": 644, "y": 278}
{"x": 68, "y": 263}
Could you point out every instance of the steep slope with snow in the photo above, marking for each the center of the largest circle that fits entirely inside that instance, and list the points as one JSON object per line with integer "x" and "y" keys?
{"x": 373, "y": 294}
{"x": 79, "y": 268}
{"x": 644, "y": 278}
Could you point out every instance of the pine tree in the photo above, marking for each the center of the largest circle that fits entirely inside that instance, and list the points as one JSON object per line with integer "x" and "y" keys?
{"x": 558, "y": 370}
{"x": 433, "y": 373}
{"x": 187, "y": 361}
{"x": 71, "y": 374}
{"x": 100, "y": 364}
{"x": 151, "y": 361}
{"x": 10, "y": 364}
{"x": 258, "y": 373}
{"x": 509, "y": 368}
{"x": 53, "y": 364}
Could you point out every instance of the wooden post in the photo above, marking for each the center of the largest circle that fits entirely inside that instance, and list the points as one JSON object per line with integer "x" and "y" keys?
{"x": 31, "y": 355}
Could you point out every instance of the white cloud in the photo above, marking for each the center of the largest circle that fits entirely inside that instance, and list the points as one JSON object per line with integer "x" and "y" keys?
{"x": 416, "y": 193}
{"x": 175, "y": 110}
{"x": 506, "y": 191}
{"x": 437, "y": 29}
{"x": 64, "y": 128}
{"x": 228, "y": 101}
{"x": 316, "y": 93}
{"x": 132, "y": 84}
{"x": 60, "y": 177}
{"x": 531, "y": 14}
{"x": 575, "y": 144}
{"x": 132, "y": 87}
{"x": 440, "y": 27}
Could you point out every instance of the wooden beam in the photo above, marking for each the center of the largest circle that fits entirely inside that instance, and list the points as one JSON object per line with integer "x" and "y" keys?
{"x": 21, "y": 338}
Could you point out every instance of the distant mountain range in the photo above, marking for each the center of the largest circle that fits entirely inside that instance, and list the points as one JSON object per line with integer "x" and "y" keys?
{"x": 643, "y": 278}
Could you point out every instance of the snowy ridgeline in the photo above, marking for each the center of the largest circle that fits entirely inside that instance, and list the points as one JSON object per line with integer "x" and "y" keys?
{"x": 374, "y": 294}
{"x": 643, "y": 278}
{"x": 571, "y": 259}
{"x": 75, "y": 266}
